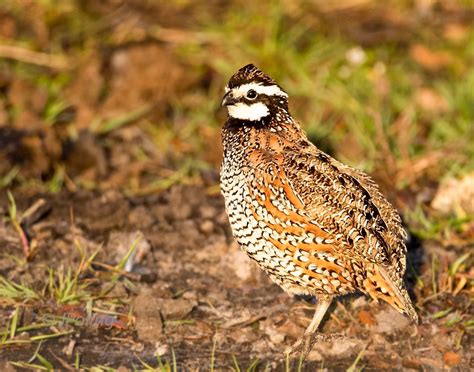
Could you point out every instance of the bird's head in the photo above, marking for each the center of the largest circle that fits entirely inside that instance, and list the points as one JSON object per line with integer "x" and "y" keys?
{"x": 251, "y": 95}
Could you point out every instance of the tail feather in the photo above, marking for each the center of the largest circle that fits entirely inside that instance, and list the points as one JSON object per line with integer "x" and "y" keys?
{"x": 379, "y": 285}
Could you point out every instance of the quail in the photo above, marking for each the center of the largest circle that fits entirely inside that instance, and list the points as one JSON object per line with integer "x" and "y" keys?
{"x": 316, "y": 226}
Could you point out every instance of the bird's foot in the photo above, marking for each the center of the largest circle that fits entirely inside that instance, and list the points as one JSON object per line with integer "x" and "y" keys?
{"x": 304, "y": 344}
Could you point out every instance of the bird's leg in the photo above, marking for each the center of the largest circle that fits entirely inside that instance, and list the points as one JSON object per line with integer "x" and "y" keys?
{"x": 305, "y": 343}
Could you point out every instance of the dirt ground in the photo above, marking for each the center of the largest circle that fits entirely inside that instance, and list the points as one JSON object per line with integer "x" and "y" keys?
{"x": 191, "y": 290}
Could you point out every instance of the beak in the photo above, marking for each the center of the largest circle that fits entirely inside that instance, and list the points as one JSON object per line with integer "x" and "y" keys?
{"x": 228, "y": 99}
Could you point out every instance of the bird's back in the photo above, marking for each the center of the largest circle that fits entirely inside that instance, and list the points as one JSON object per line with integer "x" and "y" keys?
{"x": 349, "y": 206}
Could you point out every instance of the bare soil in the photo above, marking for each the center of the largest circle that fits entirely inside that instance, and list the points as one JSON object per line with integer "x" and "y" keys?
{"x": 193, "y": 292}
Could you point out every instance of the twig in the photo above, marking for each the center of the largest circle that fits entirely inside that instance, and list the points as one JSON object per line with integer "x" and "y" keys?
{"x": 57, "y": 62}
{"x": 178, "y": 36}
{"x": 63, "y": 362}
{"x": 245, "y": 321}
{"x": 35, "y": 212}
{"x": 383, "y": 141}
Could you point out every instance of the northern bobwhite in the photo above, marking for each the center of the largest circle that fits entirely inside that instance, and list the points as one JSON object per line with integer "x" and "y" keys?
{"x": 316, "y": 226}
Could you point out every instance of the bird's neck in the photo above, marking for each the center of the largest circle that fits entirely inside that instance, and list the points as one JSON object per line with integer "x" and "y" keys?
{"x": 269, "y": 134}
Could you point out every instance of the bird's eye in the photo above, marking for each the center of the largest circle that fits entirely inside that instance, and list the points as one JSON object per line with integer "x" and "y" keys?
{"x": 251, "y": 94}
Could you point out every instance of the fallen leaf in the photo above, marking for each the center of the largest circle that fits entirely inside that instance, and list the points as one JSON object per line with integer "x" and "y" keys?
{"x": 455, "y": 32}
{"x": 455, "y": 195}
{"x": 429, "y": 59}
{"x": 451, "y": 358}
{"x": 366, "y": 318}
{"x": 428, "y": 100}
{"x": 420, "y": 363}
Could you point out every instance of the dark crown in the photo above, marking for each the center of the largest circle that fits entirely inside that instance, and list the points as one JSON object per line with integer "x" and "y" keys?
{"x": 250, "y": 74}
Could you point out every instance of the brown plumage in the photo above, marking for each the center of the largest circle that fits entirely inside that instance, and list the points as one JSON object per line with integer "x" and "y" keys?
{"x": 315, "y": 225}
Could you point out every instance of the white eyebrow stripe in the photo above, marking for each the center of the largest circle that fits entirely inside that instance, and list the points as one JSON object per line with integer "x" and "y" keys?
{"x": 269, "y": 90}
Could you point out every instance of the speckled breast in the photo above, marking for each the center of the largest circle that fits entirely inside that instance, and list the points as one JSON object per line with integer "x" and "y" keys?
{"x": 252, "y": 234}
{"x": 299, "y": 271}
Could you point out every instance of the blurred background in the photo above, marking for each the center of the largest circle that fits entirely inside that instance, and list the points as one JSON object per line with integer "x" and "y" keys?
{"x": 104, "y": 96}
{"x": 126, "y": 94}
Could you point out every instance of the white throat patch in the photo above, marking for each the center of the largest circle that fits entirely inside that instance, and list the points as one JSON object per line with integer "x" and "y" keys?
{"x": 253, "y": 112}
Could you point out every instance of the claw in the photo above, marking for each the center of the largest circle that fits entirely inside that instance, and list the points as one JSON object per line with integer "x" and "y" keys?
{"x": 304, "y": 344}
